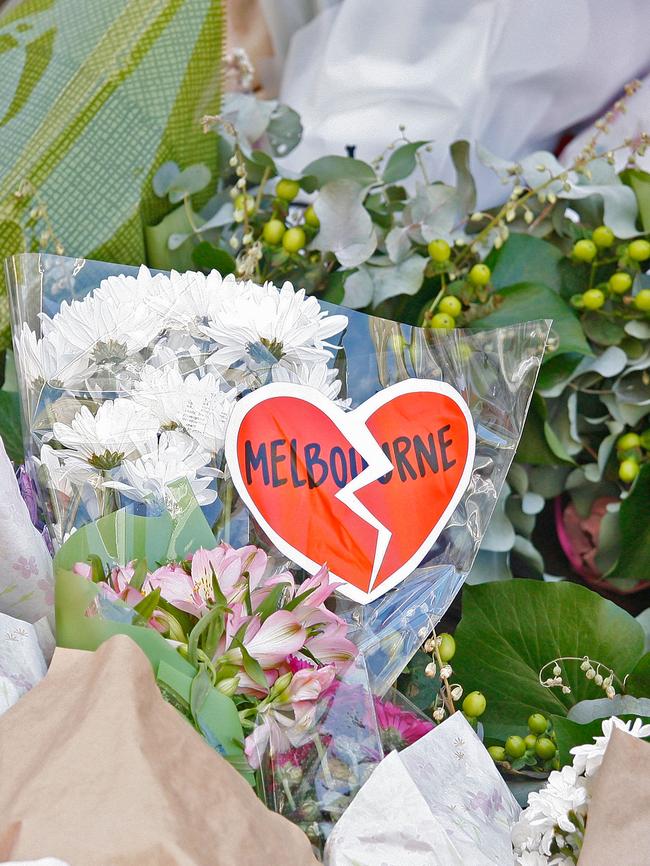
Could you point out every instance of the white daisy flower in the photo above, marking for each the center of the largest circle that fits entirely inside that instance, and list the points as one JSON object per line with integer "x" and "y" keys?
{"x": 261, "y": 326}
{"x": 588, "y": 758}
{"x": 176, "y": 456}
{"x": 186, "y": 302}
{"x": 49, "y": 361}
{"x": 320, "y": 376}
{"x": 124, "y": 289}
{"x": 120, "y": 429}
{"x": 102, "y": 330}
{"x": 200, "y": 406}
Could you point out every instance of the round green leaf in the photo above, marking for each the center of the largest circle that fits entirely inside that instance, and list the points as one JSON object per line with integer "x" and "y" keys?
{"x": 510, "y": 630}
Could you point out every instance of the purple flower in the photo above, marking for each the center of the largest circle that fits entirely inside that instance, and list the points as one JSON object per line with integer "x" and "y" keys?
{"x": 28, "y": 492}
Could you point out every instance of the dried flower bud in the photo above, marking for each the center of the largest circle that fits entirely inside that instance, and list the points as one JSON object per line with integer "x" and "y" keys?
{"x": 566, "y": 690}
{"x": 610, "y": 691}
{"x": 586, "y": 664}
{"x": 438, "y": 714}
{"x": 598, "y": 680}
{"x": 590, "y": 674}
{"x": 429, "y": 646}
{"x": 234, "y": 243}
{"x": 445, "y": 672}
{"x": 430, "y": 670}
{"x": 557, "y": 670}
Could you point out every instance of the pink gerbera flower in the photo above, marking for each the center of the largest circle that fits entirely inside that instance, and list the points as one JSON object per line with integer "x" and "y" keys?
{"x": 398, "y": 727}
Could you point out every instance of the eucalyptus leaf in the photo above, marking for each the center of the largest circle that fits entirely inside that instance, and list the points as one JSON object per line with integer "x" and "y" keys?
{"x": 346, "y": 228}
{"x": 488, "y": 566}
{"x": 398, "y": 244}
{"x": 500, "y": 534}
{"x": 402, "y": 161}
{"x": 601, "y": 329}
{"x": 358, "y": 289}
{"x": 510, "y": 630}
{"x": 603, "y": 708}
{"x": 620, "y": 208}
{"x": 640, "y": 183}
{"x": 165, "y": 177}
{"x": 284, "y": 130}
{"x": 402, "y": 279}
{"x": 465, "y": 184}
{"x": 193, "y": 179}
{"x": 329, "y": 169}
{"x": 249, "y": 115}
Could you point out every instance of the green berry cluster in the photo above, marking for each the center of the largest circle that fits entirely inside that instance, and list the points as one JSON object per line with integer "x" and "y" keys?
{"x": 613, "y": 293}
{"x": 537, "y": 750}
{"x": 632, "y": 450}
{"x": 444, "y": 311}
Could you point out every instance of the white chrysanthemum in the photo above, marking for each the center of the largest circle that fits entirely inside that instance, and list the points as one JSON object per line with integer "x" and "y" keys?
{"x": 320, "y": 376}
{"x": 104, "y": 331}
{"x": 176, "y": 456}
{"x": 588, "y": 758}
{"x": 124, "y": 289}
{"x": 187, "y": 302}
{"x": 51, "y": 360}
{"x": 120, "y": 429}
{"x": 262, "y": 325}
{"x": 197, "y": 405}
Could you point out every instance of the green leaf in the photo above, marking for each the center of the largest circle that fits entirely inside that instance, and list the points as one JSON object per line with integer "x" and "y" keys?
{"x": 207, "y": 257}
{"x": 416, "y": 685}
{"x": 634, "y": 523}
{"x": 272, "y": 602}
{"x": 10, "y": 429}
{"x": 175, "y": 225}
{"x": 638, "y": 682}
{"x": 465, "y": 185}
{"x": 193, "y": 179}
{"x": 570, "y": 734}
{"x": 284, "y": 130}
{"x": 97, "y": 571}
{"x": 526, "y": 259}
{"x": 148, "y": 605}
{"x": 202, "y": 626}
{"x": 332, "y": 168}
{"x": 602, "y": 330}
{"x": 510, "y": 630}
{"x": 640, "y": 183}
{"x": 140, "y": 573}
{"x": 165, "y": 177}
{"x": 252, "y": 667}
{"x": 526, "y": 302}
{"x": 199, "y": 691}
{"x": 346, "y": 228}
{"x": 401, "y": 162}
{"x": 539, "y": 445}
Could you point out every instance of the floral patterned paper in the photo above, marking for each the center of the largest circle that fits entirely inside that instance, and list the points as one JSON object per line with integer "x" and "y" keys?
{"x": 440, "y": 802}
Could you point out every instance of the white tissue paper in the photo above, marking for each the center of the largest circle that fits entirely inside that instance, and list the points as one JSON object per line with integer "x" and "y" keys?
{"x": 440, "y": 802}
{"x": 26, "y": 579}
{"x": 24, "y": 652}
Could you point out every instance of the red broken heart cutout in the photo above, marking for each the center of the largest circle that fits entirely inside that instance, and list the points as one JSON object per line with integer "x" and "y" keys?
{"x": 367, "y": 491}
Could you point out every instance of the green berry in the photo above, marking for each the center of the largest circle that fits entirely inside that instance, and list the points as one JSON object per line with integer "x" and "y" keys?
{"x": 537, "y": 723}
{"x": 642, "y": 300}
{"x": 585, "y": 250}
{"x": 443, "y": 320}
{"x": 311, "y": 217}
{"x": 474, "y": 705}
{"x": 593, "y": 299}
{"x": 439, "y": 250}
{"x": 530, "y": 740}
{"x": 287, "y": 189}
{"x": 645, "y": 439}
{"x": 294, "y": 239}
{"x": 628, "y": 441}
{"x": 619, "y": 283}
{"x": 515, "y": 746}
{"x": 447, "y": 647}
{"x": 244, "y": 202}
{"x": 497, "y": 753}
{"x": 545, "y": 748}
{"x": 480, "y": 275}
{"x": 450, "y": 305}
{"x": 638, "y": 250}
{"x": 273, "y": 231}
{"x": 603, "y": 237}
{"x": 628, "y": 470}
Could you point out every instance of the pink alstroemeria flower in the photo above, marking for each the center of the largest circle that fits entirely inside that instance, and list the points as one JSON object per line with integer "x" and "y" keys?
{"x": 177, "y": 587}
{"x": 276, "y": 638}
{"x": 332, "y": 646}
